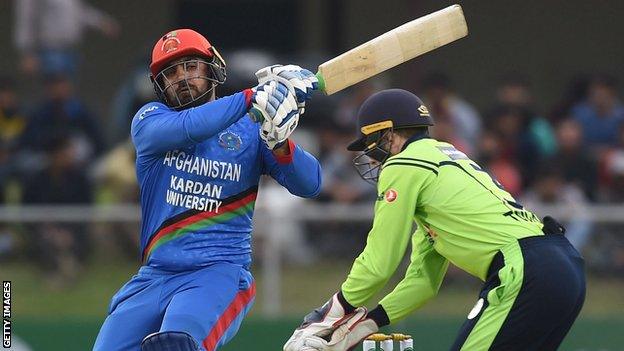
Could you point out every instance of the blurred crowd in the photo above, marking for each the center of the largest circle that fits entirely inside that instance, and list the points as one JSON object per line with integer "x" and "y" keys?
{"x": 568, "y": 156}
{"x": 56, "y": 151}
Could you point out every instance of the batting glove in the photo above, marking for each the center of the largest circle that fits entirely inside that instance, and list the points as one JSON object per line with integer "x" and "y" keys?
{"x": 275, "y": 105}
{"x": 303, "y": 81}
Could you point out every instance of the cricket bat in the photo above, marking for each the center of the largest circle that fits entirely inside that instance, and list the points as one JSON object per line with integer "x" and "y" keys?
{"x": 392, "y": 48}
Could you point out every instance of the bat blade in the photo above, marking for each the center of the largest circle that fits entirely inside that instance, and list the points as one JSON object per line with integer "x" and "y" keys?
{"x": 392, "y": 48}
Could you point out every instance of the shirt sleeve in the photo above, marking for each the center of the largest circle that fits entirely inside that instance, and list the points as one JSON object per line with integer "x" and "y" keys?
{"x": 299, "y": 171}
{"x": 157, "y": 128}
{"x": 421, "y": 282}
{"x": 398, "y": 188}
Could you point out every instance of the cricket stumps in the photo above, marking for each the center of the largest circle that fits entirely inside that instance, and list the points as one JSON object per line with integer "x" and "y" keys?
{"x": 384, "y": 342}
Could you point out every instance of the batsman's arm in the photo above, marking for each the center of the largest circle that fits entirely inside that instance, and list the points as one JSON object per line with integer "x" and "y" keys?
{"x": 421, "y": 282}
{"x": 295, "y": 169}
{"x": 398, "y": 188}
{"x": 157, "y": 128}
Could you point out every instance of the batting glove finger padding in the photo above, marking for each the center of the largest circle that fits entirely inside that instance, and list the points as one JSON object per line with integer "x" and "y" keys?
{"x": 277, "y": 105}
{"x": 302, "y": 80}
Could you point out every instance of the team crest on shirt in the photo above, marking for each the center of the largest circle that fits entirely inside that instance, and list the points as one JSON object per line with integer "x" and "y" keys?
{"x": 391, "y": 195}
{"x": 388, "y": 196}
{"x": 230, "y": 141}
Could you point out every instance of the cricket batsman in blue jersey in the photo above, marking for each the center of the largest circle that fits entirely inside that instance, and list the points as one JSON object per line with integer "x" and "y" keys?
{"x": 199, "y": 161}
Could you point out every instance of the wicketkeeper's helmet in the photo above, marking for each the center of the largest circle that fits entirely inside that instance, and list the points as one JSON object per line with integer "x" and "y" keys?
{"x": 382, "y": 113}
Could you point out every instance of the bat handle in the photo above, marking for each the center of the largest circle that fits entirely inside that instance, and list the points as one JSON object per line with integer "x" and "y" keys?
{"x": 256, "y": 115}
{"x": 321, "y": 82}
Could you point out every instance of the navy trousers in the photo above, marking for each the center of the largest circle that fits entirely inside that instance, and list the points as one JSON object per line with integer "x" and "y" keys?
{"x": 544, "y": 300}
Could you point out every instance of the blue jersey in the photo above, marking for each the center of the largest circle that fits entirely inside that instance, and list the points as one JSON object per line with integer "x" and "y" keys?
{"x": 198, "y": 171}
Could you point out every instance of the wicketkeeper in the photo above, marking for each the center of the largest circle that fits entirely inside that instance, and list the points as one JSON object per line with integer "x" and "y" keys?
{"x": 534, "y": 283}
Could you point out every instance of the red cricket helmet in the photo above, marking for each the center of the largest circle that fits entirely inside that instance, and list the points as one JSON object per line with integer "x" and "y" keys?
{"x": 180, "y": 43}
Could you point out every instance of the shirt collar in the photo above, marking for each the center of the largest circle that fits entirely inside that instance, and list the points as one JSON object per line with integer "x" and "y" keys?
{"x": 416, "y": 137}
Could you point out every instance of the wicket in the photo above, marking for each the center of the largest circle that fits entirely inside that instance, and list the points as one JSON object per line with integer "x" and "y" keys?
{"x": 383, "y": 342}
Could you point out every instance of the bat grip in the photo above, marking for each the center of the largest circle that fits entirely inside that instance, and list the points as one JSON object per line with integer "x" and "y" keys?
{"x": 256, "y": 115}
{"x": 321, "y": 81}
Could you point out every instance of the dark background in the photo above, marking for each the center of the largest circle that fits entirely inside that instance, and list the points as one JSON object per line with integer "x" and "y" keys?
{"x": 549, "y": 41}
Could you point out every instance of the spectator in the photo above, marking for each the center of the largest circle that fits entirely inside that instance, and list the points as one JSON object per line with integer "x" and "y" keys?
{"x": 62, "y": 181}
{"x": 287, "y": 235}
{"x": 601, "y": 114}
{"x": 576, "y": 162}
{"x": 614, "y": 189}
{"x": 7, "y": 232}
{"x": 444, "y": 104}
{"x": 4, "y": 171}
{"x": 612, "y": 171}
{"x": 500, "y": 167}
{"x": 12, "y": 125}
{"x": 517, "y": 143}
{"x": 63, "y": 112}
{"x": 47, "y": 32}
{"x": 10, "y": 182}
{"x": 59, "y": 248}
{"x": 341, "y": 183}
{"x": 115, "y": 183}
{"x": 114, "y": 174}
{"x": 443, "y": 130}
{"x": 516, "y": 91}
{"x": 575, "y": 92}
{"x": 135, "y": 91}
{"x": 551, "y": 189}
{"x": 12, "y": 119}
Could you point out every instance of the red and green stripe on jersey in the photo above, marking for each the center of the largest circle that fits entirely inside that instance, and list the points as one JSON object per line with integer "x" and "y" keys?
{"x": 189, "y": 221}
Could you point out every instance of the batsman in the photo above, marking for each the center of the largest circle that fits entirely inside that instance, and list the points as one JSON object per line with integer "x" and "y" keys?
{"x": 199, "y": 162}
{"x": 534, "y": 282}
